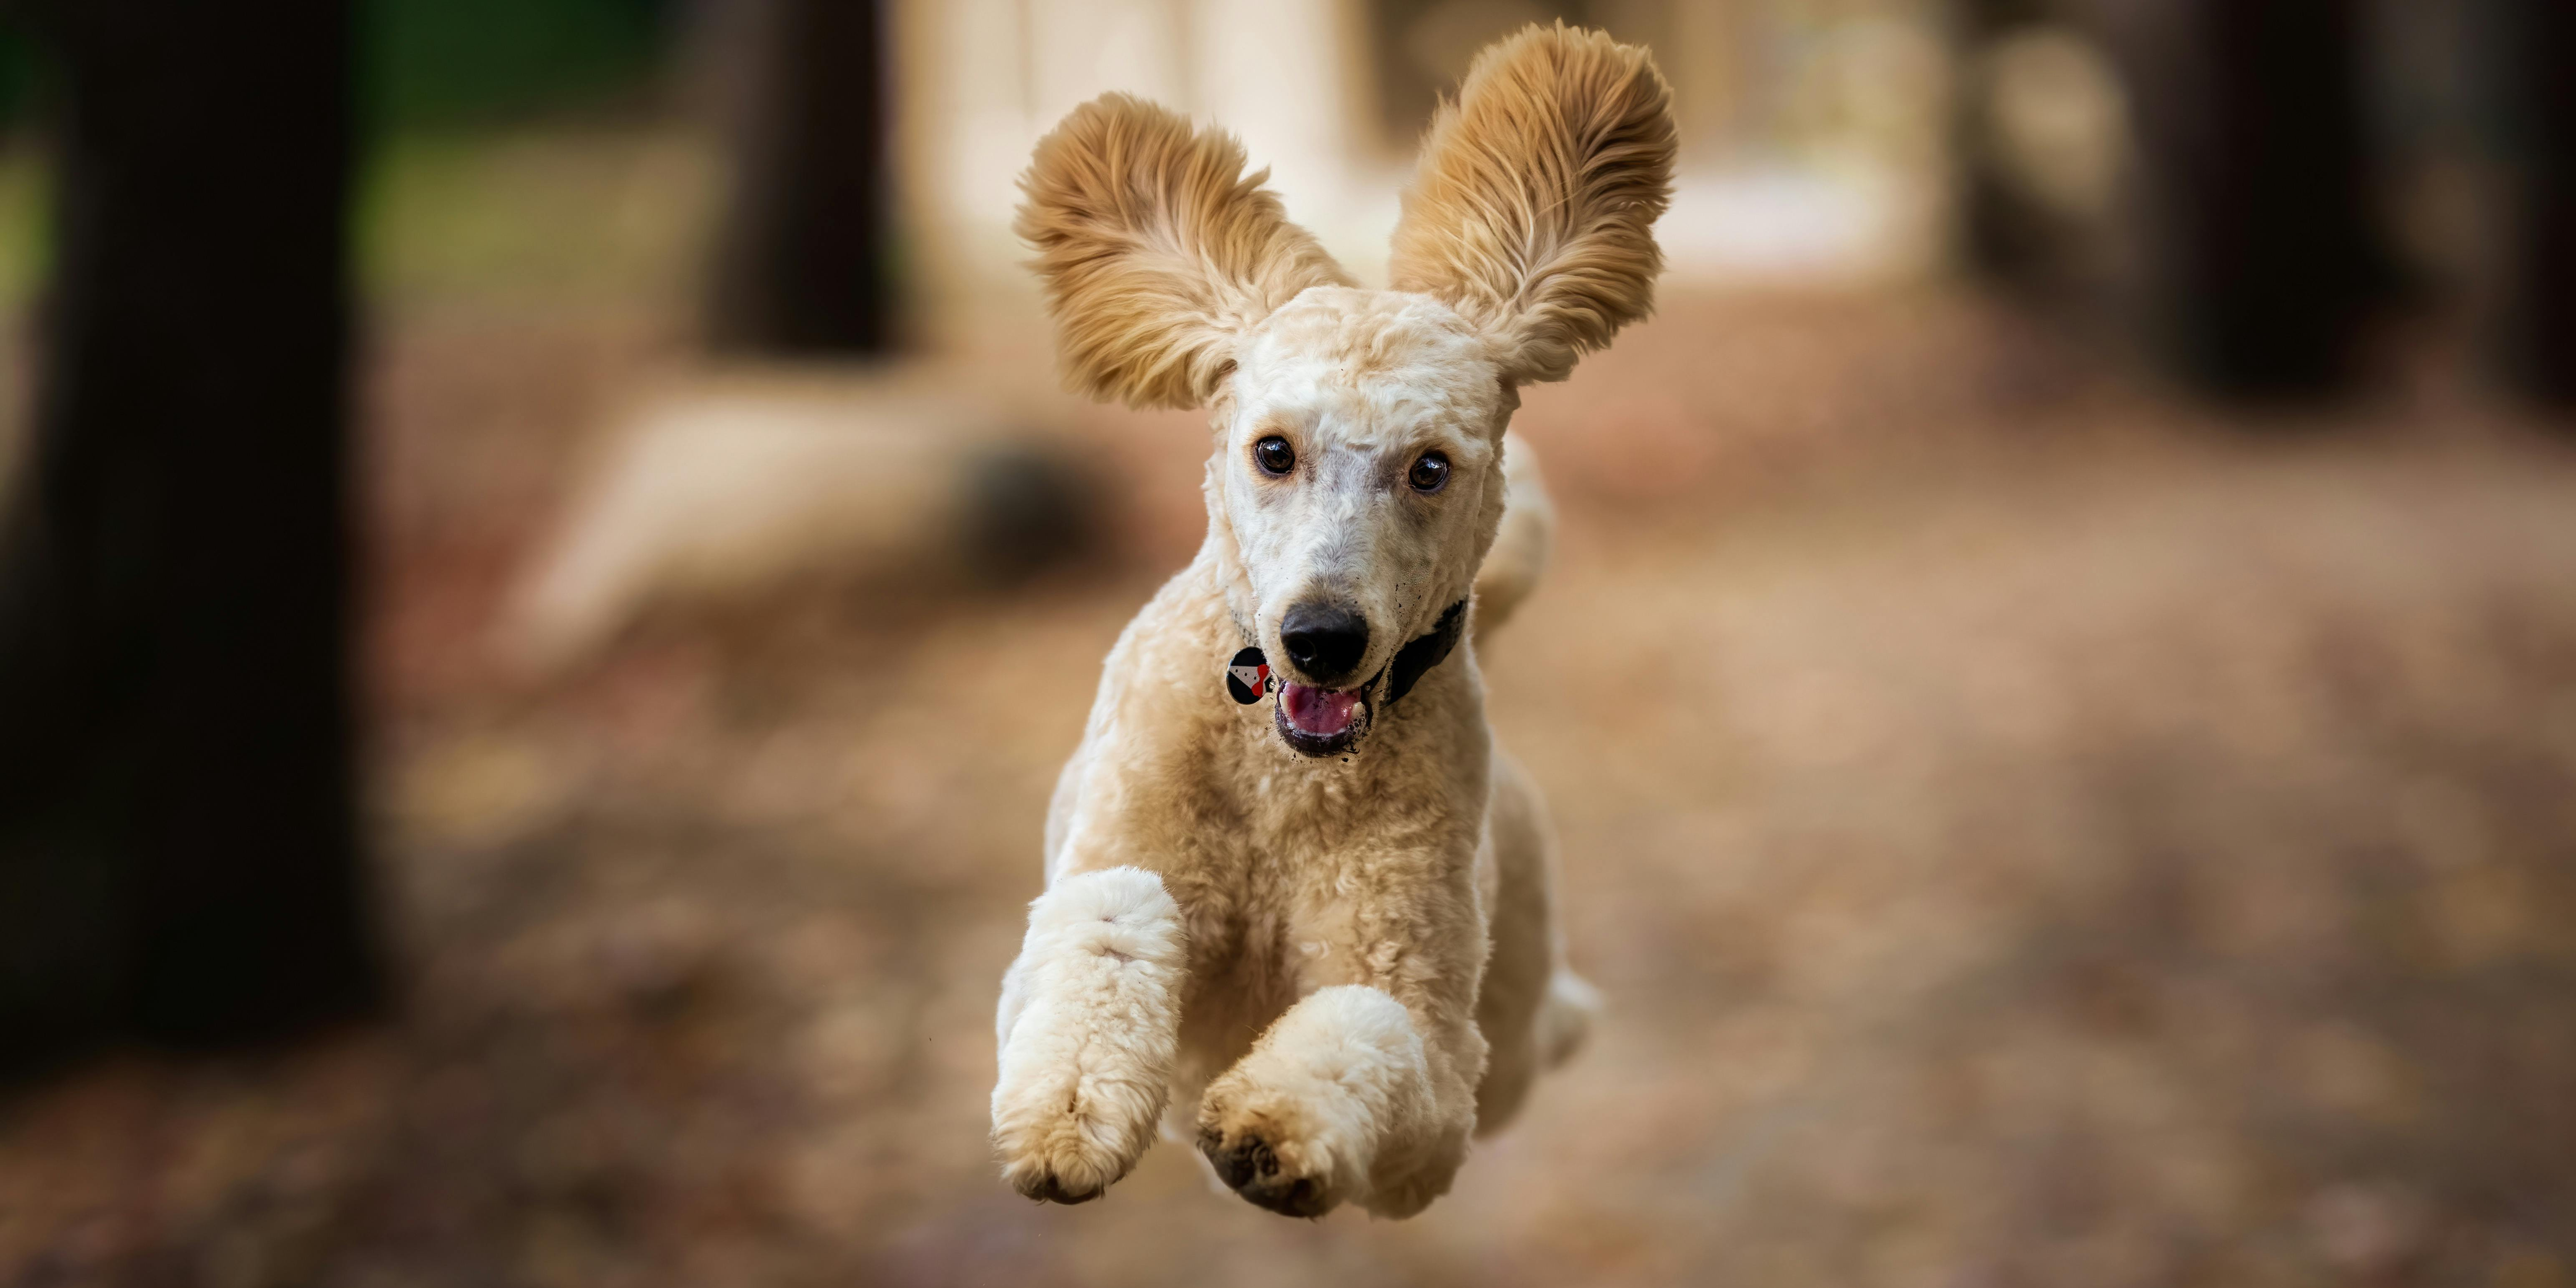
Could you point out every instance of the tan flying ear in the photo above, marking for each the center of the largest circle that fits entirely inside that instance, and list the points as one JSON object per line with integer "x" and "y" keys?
{"x": 1157, "y": 251}
{"x": 1534, "y": 210}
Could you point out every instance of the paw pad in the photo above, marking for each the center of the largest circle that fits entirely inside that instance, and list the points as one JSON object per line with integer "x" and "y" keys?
{"x": 1250, "y": 1167}
{"x": 1048, "y": 1189}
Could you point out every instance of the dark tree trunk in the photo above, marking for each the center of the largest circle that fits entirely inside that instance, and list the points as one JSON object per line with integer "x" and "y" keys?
{"x": 178, "y": 844}
{"x": 804, "y": 264}
{"x": 2263, "y": 253}
{"x": 2004, "y": 236}
{"x": 2532, "y": 47}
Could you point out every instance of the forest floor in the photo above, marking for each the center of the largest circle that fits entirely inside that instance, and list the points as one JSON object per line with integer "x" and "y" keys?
{"x": 2028, "y": 832}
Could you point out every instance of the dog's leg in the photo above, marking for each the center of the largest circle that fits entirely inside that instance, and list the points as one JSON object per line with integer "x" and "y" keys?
{"x": 1365, "y": 1090}
{"x": 1089, "y": 1021}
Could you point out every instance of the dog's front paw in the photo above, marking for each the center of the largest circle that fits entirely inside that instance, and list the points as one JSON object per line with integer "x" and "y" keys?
{"x": 1270, "y": 1162}
{"x": 1077, "y": 1103}
{"x": 1090, "y": 1023}
{"x": 1061, "y": 1162}
{"x": 1333, "y": 1105}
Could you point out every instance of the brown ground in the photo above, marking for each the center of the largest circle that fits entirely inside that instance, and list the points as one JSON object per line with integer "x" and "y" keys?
{"x": 2027, "y": 836}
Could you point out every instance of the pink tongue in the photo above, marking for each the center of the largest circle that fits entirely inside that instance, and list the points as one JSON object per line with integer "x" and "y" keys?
{"x": 1323, "y": 712}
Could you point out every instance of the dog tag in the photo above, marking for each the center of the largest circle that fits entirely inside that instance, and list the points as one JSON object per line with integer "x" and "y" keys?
{"x": 1247, "y": 677}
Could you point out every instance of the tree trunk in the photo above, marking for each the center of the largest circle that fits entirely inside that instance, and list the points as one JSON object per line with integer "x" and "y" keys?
{"x": 2531, "y": 44}
{"x": 2263, "y": 249}
{"x": 2004, "y": 236}
{"x": 178, "y": 842}
{"x": 804, "y": 262}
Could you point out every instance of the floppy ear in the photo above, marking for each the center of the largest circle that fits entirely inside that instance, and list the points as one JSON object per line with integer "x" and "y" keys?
{"x": 1534, "y": 209}
{"x": 1158, "y": 252}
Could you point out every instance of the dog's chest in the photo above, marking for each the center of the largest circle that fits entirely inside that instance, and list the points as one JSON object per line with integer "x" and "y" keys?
{"x": 1311, "y": 838}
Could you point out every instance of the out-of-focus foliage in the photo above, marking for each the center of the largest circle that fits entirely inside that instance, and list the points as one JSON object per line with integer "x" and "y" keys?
{"x": 448, "y": 63}
{"x": 435, "y": 67}
{"x": 17, "y": 77}
{"x": 469, "y": 62}
{"x": 547, "y": 217}
{"x": 25, "y": 233}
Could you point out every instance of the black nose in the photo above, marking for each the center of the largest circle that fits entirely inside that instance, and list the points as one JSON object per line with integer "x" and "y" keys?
{"x": 1326, "y": 641}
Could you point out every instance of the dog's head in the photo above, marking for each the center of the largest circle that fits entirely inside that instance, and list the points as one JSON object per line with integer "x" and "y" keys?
{"x": 1358, "y": 465}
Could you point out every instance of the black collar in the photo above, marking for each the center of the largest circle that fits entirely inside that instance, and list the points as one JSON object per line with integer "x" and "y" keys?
{"x": 1425, "y": 652}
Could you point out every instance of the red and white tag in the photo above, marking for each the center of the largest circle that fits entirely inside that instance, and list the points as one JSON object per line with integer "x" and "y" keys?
{"x": 1247, "y": 677}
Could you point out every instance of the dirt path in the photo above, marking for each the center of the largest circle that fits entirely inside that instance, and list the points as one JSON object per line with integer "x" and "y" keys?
{"x": 2028, "y": 853}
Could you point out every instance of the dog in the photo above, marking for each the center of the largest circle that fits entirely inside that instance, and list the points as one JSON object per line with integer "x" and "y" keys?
{"x": 1319, "y": 937}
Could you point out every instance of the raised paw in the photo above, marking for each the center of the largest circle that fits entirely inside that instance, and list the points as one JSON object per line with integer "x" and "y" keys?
{"x": 1061, "y": 1167}
{"x": 1251, "y": 1166}
{"x": 1332, "y": 1105}
{"x": 1090, "y": 1017}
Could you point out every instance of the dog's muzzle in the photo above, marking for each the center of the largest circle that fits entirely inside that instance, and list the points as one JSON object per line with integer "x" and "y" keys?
{"x": 1316, "y": 721}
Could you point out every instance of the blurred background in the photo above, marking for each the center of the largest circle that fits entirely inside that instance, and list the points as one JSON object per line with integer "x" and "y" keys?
{"x": 547, "y": 576}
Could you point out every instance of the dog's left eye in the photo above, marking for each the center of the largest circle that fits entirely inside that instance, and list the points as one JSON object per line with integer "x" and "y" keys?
{"x": 1274, "y": 455}
{"x": 1430, "y": 470}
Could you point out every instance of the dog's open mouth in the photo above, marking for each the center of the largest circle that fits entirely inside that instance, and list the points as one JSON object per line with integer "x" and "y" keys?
{"x": 1320, "y": 722}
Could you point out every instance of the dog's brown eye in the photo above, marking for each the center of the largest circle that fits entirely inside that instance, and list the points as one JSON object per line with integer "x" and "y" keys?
{"x": 1430, "y": 470}
{"x": 1274, "y": 455}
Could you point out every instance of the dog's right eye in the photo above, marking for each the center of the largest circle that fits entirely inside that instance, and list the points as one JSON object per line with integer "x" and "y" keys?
{"x": 1274, "y": 455}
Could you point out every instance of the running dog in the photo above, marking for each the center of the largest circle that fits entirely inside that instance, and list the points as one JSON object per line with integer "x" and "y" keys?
{"x": 1319, "y": 938}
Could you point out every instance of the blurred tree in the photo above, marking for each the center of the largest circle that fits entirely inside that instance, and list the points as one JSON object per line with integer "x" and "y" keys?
{"x": 804, "y": 260}
{"x": 1420, "y": 49}
{"x": 2261, "y": 221}
{"x": 2531, "y": 44}
{"x": 2005, "y": 235}
{"x": 178, "y": 840}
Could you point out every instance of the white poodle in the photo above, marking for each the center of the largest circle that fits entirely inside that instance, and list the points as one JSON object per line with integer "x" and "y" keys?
{"x": 1319, "y": 939}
